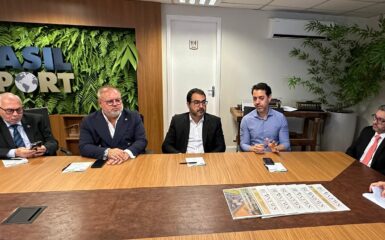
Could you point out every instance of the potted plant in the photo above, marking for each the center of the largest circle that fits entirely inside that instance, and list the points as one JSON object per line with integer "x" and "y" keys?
{"x": 343, "y": 70}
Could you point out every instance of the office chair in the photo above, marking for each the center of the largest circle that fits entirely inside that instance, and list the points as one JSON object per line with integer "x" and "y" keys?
{"x": 146, "y": 151}
{"x": 44, "y": 113}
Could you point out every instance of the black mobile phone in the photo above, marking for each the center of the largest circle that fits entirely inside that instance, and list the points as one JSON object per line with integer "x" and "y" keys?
{"x": 35, "y": 145}
{"x": 98, "y": 163}
{"x": 268, "y": 161}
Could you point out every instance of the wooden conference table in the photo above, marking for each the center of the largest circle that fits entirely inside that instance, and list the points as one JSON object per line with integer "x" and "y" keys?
{"x": 155, "y": 197}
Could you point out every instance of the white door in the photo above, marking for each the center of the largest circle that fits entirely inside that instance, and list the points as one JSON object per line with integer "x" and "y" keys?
{"x": 193, "y": 61}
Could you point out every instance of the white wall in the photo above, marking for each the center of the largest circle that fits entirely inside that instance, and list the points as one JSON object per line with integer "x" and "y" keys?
{"x": 249, "y": 57}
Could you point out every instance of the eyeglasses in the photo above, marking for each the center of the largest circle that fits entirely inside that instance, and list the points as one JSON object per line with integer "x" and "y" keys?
{"x": 196, "y": 102}
{"x": 10, "y": 111}
{"x": 377, "y": 119}
{"x": 116, "y": 101}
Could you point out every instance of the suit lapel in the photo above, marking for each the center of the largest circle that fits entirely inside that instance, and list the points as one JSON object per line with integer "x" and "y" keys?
{"x": 28, "y": 129}
{"x": 379, "y": 151}
{"x": 103, "y": 130}
{"x": 186, "y": 130}
{"x": 120, "y": 127}
{"x": 206, "y": 123}
{"x": 6, "y": 134}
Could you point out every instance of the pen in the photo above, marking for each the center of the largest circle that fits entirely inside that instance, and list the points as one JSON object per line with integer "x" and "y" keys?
{"x": 66, "y": 166}
{"x": 187, "y": 162}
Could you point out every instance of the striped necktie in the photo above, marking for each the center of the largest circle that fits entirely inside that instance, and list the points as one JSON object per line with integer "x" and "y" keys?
{"x": 17, "y": 137}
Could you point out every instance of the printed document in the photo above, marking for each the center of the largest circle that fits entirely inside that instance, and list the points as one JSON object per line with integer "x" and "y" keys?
{"x": 14, "y": 162}
{"x": 376, "y": 197}
{"x": 77, "y": 167}
{"x": 195, "y": 161}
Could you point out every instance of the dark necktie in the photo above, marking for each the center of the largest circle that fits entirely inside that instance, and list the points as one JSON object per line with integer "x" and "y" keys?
{"x": 17, "y": 137}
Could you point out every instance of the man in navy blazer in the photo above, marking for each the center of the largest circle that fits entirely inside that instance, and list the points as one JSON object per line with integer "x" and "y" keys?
{"x": 30, "y": 128}
{"x": 113, "y": 133}
{"x": 195, "y": 131}
{"x": 360, "y": 147}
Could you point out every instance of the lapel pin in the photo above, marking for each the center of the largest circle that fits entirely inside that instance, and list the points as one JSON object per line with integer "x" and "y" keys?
{"x": 125, "y": 119}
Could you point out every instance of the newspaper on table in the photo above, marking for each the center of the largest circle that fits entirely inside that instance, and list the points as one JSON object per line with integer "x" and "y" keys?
{"x": 281, "y": 200}
{"x": 241, "y": 203}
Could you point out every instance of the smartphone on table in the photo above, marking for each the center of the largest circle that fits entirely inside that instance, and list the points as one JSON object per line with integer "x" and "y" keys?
{"x": 98, "y": 163}
{"x": 268, "y": 161}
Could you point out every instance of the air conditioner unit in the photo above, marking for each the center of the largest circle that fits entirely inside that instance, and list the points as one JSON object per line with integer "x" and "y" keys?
{"x": 291, "y": 28}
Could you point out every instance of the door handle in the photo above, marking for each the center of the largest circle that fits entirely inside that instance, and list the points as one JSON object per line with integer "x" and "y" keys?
{"x": 212, "y": 91}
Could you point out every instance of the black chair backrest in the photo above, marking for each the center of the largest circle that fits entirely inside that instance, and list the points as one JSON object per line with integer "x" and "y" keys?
{"x": 40, "y": 111}
{"x": 247, "y": 110}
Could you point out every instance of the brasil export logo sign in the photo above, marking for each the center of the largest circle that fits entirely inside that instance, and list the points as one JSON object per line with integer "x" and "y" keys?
{"x": 53, "y": 71}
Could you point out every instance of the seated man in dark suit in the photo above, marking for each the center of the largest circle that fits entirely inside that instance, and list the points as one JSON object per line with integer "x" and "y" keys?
{"x": 195, "y": 131}
{"x": 113, "y": 133}
{"x": 19, "y": 130}
{"x": 369, "y": 148}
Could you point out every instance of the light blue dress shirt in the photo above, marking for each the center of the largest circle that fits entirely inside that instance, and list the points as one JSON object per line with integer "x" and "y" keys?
{"x": 254, "y": 130}
{"x": 23, "y": 134}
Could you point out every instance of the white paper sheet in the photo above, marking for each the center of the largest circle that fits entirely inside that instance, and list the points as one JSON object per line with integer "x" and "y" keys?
{"x": 288, "y": 109}
{"x": 195, "y": 161}
{"x": 277, "y": 167}
{"x": 13, "y": 162}
{"x": 77, "y": 167}
{"x": 375, "y": 197}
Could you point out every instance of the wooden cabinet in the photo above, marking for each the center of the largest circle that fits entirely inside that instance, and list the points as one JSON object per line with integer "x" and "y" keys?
{"x": 308, "y": 137}
{"x": 65, "y": 128}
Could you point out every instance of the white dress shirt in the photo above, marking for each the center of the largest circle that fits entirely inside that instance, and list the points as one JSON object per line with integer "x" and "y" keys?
{"x": 24, "y": 136}
{"x": 195, "y": 141}
{"x": 111, "y": 129}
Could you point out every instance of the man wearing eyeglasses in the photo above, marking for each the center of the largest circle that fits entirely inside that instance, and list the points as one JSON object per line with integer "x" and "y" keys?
{"x": 195, "y": 131}
{"x": 369, "y": 148}
{"x": 113, "y": 134}
{"x": 19, "y": 130}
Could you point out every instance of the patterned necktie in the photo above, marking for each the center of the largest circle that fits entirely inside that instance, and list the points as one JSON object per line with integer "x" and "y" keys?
{"x": 17, "y": 137}
{"x": 371, "y": 150}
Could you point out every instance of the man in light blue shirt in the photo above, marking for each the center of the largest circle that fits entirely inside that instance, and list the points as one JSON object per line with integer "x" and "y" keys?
{"x": 264, "y": 129}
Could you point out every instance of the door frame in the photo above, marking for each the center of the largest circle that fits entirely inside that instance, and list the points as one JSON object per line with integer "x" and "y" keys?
{"x": 217, "y": 77}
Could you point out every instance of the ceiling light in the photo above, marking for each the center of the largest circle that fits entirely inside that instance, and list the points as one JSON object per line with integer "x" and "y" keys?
{"x": 212, "y": 2}
{"x": 196, "y": 2}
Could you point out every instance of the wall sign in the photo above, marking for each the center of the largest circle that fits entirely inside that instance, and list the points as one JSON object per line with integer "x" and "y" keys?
{"x": 193, "y": 44}
{"x": 49, "y": 60}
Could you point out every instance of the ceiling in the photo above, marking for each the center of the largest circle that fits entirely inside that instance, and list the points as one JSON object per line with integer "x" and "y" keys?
{"x": 356, "y": 8}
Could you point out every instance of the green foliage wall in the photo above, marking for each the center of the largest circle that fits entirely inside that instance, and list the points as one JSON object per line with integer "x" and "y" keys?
{"x": 98, "y": 57}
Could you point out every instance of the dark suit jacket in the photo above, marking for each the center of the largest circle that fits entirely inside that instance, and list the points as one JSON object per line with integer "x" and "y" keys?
{"x": 95, "y": 137}
{"x": 358, "y": 147}
{"x": 177, "y": 136}
{"x": 36, "y": 128}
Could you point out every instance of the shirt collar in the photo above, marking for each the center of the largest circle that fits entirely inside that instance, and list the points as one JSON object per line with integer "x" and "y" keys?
{"x": 8, "y": 124}
{"x": 381, "y": 134}
{"x": 200, "y": 121}
{"x": 269, "y": 113}
{"x": 105, "y": 117}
